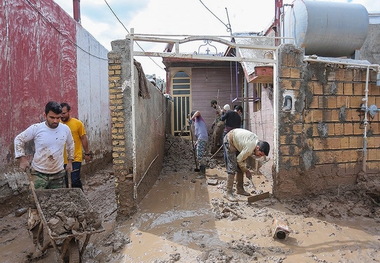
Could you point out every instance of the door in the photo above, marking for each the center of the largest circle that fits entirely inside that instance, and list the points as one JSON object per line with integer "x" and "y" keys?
{"x": 181, "y": 96}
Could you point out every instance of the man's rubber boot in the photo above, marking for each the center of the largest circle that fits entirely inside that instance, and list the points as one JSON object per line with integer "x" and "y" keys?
{"x": 239, "y": 185}
{"x": 202, "y": 172}
{"x": 203, "y": 169}
{"x": 230, "y": 183}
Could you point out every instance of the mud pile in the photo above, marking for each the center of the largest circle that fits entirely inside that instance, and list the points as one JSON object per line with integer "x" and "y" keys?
{"x": 179, "y": 155}
{"x": 346, "y": 203}
{"x": 67, "y": 211}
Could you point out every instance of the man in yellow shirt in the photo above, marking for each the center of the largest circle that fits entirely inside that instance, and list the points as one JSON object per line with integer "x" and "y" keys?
{"x": 81, "y": 143}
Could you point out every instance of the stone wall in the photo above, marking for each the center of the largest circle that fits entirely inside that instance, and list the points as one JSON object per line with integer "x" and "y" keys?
{"x": 321, "y": 138}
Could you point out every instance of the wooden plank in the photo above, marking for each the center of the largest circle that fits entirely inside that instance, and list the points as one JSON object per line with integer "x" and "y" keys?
{"x": 258, "y": 197}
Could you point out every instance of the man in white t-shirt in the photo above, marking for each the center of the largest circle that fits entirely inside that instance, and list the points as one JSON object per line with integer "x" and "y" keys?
{"x": 50, "y": 138}
{"x": 47, "y": 170}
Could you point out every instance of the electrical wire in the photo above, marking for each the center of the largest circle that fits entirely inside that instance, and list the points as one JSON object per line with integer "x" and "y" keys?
{"x": 228, "y": 26}
{"x": 65, "y": 36}
{"x": 129, "y": 33}
{"x": 116, "y": 16}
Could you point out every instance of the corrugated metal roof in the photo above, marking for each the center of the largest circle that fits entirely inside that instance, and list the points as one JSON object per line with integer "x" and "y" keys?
{"x": 256, "y": 40}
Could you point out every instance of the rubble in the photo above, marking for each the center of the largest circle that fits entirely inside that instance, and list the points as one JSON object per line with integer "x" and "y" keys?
{"x": 67, "y": 211}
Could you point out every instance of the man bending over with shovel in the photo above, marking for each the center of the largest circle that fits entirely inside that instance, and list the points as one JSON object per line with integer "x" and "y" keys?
{"x": 200, "y": 130}
{"x": 239, "y": 144}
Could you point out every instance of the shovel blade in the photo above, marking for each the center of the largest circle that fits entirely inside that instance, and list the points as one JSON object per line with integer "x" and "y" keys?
{"x": 258, "y": 197}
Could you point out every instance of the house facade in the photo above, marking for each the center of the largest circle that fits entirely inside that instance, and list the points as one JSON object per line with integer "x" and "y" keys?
{"x": 318, "y": 113}
{"x": 193, "y": 84}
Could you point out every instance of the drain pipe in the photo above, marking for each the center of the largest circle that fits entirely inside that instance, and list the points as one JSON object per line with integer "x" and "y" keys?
{"x": 76, "y": 10}
{"x": 245, "y": 107}
{"x": 133, "y": 106}
{"x": 365, "y": 121}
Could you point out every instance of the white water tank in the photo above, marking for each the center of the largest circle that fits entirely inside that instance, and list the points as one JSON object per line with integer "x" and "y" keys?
{"x": 327, "y": 29}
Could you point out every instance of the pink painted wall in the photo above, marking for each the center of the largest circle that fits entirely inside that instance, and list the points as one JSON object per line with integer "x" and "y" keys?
{"x": 37, "y": 64}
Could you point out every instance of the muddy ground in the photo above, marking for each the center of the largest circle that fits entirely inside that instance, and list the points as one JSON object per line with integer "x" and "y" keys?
{"x": 184, "y": 219}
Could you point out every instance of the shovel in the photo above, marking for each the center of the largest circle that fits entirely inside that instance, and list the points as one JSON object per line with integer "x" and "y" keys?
{"x": 253, "y": 185}
{"x": 258, "y": 197}
{"x": 195, "y": 157}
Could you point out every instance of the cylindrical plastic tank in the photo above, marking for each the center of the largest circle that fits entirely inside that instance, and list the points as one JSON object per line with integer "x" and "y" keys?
{"x": 328, "y": 29}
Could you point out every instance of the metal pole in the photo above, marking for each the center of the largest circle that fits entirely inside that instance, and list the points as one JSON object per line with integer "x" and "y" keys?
{"x": 133, "y": 111}
{"x": 365, "y": 124}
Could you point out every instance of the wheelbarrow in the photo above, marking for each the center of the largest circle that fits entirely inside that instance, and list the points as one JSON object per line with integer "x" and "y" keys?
{"x": 68, "y": 219}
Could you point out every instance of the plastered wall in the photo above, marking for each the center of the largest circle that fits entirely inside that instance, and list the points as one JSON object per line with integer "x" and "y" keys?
{"x": 45, "y": 55}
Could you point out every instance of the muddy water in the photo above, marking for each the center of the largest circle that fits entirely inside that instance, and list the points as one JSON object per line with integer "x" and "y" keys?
{"x": 177, "y": 222}
{"x": 182, "y": 220}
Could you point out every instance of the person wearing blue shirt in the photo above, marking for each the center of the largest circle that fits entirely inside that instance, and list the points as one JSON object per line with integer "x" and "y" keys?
{"x": 201, "y": 135}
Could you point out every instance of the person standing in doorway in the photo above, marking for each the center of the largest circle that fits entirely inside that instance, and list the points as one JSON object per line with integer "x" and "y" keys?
{"x": 239, "y": 144}
{"x": 78, "y": 132}
{"x": 200, "y": 132}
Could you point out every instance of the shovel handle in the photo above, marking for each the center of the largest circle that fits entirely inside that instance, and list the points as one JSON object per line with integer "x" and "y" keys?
{"x": 69, "y": 180}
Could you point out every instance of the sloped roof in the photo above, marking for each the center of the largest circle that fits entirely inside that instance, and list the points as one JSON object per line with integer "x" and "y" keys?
{"x": 254, "y": 39}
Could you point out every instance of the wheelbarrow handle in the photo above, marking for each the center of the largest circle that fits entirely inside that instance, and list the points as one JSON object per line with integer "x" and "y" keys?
{"x": 69, "y": 183}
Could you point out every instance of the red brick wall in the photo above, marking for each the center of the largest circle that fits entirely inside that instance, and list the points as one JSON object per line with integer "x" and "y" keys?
{"x": 321, "y": 141}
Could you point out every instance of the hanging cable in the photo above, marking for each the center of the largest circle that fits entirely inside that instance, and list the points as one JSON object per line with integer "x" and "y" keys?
{"x": 65, "y": 36}
{"x": 231, "y": 80}
{"x": 129, "y": 33}
{"x": 228, "y": 26}
{"x": 116, "y": 16}
{"x": 236, "y": 80}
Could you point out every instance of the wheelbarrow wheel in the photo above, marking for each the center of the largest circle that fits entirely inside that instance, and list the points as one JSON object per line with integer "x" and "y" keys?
{"x": 73, "y": 253}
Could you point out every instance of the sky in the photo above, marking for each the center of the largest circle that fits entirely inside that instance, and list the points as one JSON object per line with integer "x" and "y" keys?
{"x": 177, "y": 17}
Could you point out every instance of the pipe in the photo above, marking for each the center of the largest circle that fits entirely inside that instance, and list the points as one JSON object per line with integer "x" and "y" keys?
{"x": 276, "y": 111}
{"x": 245, "y": 108}
{"x": 365, "y": 123}
{"x": 142, "y": 177}
{"x": 277, "y": 24}
{"x": 133, "y": 105}
{"x": 76, "y": 10}
{"x": 375, "y": 67}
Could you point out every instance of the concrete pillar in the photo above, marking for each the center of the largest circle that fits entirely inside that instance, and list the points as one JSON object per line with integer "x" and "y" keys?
{"x": 120, "y": 95}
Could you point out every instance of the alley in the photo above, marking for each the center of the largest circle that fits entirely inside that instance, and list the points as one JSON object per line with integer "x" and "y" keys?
{"x": 184, "y": 219}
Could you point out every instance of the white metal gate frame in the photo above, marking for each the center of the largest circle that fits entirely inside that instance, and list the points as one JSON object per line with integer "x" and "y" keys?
{"x": 176, "y": 41}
